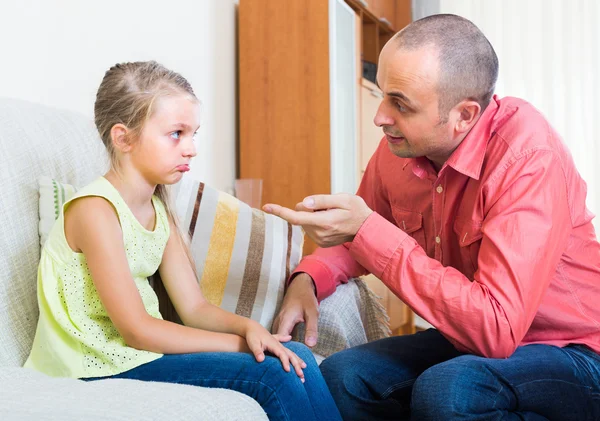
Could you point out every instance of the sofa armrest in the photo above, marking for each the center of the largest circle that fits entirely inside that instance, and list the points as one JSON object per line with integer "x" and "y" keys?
{"x": 351, "y": 316}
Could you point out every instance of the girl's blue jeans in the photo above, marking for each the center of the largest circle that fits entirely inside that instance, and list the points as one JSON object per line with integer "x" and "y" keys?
{"x": 281, "y": 394}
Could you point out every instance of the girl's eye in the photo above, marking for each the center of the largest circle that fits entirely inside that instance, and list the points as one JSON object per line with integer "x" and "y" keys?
{"x": 176, "y": 135}
{"x": 195, "y": 136}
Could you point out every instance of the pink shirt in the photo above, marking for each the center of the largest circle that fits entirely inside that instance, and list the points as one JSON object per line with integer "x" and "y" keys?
{"x": 496, "y": 250}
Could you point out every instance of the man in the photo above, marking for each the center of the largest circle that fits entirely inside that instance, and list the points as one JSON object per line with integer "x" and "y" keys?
{"x": 472, "y": 212}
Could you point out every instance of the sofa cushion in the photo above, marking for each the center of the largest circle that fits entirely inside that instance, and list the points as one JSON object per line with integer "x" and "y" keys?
{"x": 352, "y": 316}
{"x": 28, "y": 395}
{"x": 53, "y": 195}
{"x": 34, "y": 140}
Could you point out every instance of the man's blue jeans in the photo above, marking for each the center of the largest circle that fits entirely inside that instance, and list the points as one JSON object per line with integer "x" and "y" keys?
{"x": 423, "y": 377}
{"x": 281, "y": 394}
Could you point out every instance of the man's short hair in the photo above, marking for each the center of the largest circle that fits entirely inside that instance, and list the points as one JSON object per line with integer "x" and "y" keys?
{"x": 468, "y": 63}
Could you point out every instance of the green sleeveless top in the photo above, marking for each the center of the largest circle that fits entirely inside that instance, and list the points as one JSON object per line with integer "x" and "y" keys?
{"x": 74, "y": 336}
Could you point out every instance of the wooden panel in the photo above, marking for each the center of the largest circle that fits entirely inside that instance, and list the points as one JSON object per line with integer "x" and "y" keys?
{"x": 370, "y": 41}
{"x": 397, "y": 12}
{"x": 284, "y": 98}
{"x": 370, "y": 134}
{"x": 403, "y": 14}
{"x": 387, "y": 11}
{"x": 375, "y": 7}
{"x": 384, "y": 36}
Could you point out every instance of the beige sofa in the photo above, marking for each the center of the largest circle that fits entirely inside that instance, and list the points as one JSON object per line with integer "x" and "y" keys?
{"x": 37, "y": 140}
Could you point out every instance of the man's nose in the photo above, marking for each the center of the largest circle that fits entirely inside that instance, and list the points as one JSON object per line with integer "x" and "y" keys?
{"x": 382, "y": 117}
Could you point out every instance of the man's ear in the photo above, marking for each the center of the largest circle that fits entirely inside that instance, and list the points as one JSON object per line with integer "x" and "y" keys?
{"x": 469, "y": 114}
{"x": 119, "y": 137}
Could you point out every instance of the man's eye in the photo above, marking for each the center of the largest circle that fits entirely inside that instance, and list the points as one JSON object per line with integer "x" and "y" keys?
{"x": 401, "y": 107}
{"x": 176, "y": 135}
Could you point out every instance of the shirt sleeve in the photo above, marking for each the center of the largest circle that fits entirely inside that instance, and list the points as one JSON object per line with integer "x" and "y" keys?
{"x": 329, "y": 267}
{"x": 524, "y": 234}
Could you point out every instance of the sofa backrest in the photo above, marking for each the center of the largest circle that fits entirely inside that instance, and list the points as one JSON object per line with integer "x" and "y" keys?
{"x": 35, "y": 140}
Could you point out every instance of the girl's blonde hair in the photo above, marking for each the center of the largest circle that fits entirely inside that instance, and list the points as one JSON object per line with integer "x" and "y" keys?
{"x": 127, "y": 96}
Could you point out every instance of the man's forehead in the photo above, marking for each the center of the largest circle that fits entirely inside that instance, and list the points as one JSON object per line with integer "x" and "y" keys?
{"x": 422, "y": 62}
{"x": 401, "y": 68}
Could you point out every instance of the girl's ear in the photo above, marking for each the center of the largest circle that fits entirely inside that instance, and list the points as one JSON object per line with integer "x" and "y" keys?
{"x": 118, "y": 135}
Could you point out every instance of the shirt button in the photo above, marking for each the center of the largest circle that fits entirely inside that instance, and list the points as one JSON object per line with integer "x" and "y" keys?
{"x": 438, "y": 239}
{"x": 439, "y": 189}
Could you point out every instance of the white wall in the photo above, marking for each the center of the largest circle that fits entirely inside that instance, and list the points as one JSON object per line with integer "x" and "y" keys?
{"x": 422, "y": 8}
{"x": 56, "y": 51}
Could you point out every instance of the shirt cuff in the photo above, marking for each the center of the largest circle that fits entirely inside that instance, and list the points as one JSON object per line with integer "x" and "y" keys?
{"x": 375, "y": 243}
{"x": 320, "y": 274}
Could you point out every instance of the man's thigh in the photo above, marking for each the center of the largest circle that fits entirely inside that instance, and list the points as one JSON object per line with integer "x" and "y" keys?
{"x": 556, "y": 383}
{"x": 387, "y": 368}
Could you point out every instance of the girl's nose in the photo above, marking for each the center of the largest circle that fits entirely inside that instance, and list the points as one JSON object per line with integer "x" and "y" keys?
{"x": 190, "y": 149}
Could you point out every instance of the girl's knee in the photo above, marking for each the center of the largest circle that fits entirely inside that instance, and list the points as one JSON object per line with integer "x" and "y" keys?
{"x": 306, "y": 355}
{"x": 300, "y": 350}
{"x": 303, "y": 352}
{"x": 276, "y": 378}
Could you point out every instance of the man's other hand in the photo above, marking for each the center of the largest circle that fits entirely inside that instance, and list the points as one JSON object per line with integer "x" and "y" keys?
{"x": 299, "y": 305}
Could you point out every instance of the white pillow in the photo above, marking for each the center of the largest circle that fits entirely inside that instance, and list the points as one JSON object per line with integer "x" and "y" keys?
{"x": 53, "y": 196}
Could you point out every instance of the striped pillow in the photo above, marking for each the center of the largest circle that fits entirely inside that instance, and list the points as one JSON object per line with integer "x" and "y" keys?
{"x": 243, "y": 256}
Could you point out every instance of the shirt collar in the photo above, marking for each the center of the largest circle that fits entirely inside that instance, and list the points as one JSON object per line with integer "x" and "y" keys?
{"x": 468, "y": 157}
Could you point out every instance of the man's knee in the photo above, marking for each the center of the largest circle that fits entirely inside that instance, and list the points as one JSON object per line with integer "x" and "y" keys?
{"x": 337, "y": 365}
{"x": 463, "y": 385}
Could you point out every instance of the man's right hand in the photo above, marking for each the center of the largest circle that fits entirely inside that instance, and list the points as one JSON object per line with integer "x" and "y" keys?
{"x": 299, "y": 305}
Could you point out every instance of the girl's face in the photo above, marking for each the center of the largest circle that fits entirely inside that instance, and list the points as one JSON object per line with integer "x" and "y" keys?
{"x": 163, "y": 152}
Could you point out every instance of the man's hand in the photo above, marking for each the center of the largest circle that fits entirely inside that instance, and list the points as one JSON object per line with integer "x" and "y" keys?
{"x": 299, "y": 305}
{"x": 338, "y": 221}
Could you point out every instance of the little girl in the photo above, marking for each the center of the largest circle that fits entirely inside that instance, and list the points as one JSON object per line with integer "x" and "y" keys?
{"x": 99, "y": 316}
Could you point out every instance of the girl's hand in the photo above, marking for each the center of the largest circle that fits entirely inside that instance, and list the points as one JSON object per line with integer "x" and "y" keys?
{"x": 260, "y": 340}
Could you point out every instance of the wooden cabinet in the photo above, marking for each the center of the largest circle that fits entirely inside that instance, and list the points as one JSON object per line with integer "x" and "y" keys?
{"x": 305, "y": 113}
{"x": 380, "y": 20}
{"x": 385, "y": 10}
